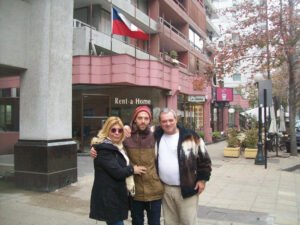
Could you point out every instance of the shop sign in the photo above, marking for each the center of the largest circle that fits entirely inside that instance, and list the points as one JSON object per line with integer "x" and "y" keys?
{"x": 131, "y": 101}
{"x": 196, "y": 98}
{"x": 224, "y": 94}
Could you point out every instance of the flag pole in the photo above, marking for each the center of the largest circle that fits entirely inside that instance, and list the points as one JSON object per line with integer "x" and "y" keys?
{"x": 90, "y": 47}
{"x": 135, "y": 41}
{"x": 149, "y": 44}
{"x": 111, "y": 36}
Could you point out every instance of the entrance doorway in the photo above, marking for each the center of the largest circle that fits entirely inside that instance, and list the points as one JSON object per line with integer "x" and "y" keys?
{"x": 95, "y": 109}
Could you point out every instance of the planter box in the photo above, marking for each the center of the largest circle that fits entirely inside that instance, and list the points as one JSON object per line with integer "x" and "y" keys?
{"x": 250, "y": 153}
{"x": 232, "y": 152}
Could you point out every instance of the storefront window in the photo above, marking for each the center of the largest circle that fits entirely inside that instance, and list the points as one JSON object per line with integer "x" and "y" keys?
{"x": 9, "y": 114}
{"x": 190, "y": 113}
{"x": 92, "y": 107}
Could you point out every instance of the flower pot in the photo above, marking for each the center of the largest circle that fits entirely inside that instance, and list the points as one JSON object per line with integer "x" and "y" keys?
{"x": 250, "y": 153}
{"x": 232, "y": 152}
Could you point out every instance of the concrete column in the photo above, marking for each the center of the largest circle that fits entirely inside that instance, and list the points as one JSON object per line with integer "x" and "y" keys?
{"x": 45, "y": 155}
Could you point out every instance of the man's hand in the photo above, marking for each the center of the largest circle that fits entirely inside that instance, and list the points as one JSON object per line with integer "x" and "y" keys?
{"x": 200, "y": 185}
{"x": 93, "y": 153}
{"x": 139, "y": 170}
{"x": 127, "y": 130}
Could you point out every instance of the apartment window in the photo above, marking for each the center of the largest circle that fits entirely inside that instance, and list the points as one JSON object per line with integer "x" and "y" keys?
{"x": 236, "y": 77}
{"x": 9, "y": 92}
{"x": 236, "y": 63}
{"x": 195, "y": 39}
{"x": 235, "y": 37}
{"x": 105, "y": 22}
{"x": 5, "y": 117}
{"x": 141, "y": 5}
{"x": 221, "y": 44}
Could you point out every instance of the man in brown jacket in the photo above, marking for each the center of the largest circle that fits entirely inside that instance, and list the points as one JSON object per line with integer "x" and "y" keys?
{"x": 148, "y": 187}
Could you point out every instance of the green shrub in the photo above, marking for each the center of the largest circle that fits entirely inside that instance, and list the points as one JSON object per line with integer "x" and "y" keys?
{"x": 232, "y": 138}
{"x": 173, "y": 54}
{"x": 201, "y": 133}
{"x": 251, "y": 138}
{"x": 216, "y": 134}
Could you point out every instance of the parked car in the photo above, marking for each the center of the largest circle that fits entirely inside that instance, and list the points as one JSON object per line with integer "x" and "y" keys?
{"x": 297, "y": 129}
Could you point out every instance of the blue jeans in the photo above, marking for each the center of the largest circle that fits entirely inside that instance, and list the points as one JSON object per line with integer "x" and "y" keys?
{"x": 116, "y": 223}
{"x": 152, "y": 208}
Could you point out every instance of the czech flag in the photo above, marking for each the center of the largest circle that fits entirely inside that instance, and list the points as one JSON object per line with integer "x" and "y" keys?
{"x": 122, "y": 26}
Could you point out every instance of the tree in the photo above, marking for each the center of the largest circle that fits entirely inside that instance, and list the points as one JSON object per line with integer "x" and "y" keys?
{"x": 265, "y": 37}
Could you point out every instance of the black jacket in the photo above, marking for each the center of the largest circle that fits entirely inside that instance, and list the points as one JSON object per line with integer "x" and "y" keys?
{"x": 109, "y": 199}
{"x": 194, "y": 161}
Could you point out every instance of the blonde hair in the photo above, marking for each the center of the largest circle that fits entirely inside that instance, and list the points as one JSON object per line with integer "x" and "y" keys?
{"x": 104, "y": 132}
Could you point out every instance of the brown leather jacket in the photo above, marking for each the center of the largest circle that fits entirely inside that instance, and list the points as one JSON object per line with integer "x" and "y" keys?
{"x": 140, "y": 150}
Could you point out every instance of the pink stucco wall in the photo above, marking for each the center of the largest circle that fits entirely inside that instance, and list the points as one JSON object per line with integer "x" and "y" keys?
{"x": 126, "y": 70}
{"x": 238, "y": 100}
{"x": 9, "y": 82}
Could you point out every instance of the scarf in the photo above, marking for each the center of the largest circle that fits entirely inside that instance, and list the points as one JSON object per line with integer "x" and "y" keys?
{"x": 129, "y": 180}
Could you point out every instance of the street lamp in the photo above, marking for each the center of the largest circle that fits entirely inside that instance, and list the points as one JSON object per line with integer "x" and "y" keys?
{"x": 259, "y": 160}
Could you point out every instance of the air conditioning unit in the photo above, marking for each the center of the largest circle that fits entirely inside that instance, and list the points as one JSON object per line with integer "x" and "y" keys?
{"x": 169, "y": 93}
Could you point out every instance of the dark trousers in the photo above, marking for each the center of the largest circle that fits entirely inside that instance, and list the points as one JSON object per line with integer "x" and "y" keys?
{"x": 152, "y": 208}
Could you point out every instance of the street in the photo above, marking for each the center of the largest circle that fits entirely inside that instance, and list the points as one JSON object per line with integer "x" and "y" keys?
{"x": 239, "y": 192}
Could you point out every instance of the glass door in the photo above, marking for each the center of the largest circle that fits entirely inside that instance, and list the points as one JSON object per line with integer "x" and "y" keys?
{"x": 96, "y": 108}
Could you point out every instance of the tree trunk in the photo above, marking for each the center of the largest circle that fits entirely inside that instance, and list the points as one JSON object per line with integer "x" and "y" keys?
{"x": 291, "y": 53}
{"x": 292, "y": 104}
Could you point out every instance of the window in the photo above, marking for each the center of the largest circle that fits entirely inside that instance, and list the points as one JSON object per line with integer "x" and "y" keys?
{"x": 236, "y": 77}
{"x": 235, "y": 37}
{"x": 195, "y": 39}
{"x": 5, "y": 116}
{"x": 221, "y": 44}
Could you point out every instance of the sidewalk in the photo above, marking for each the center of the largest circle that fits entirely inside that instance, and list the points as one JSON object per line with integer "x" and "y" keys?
{"x": 239, "y": 193}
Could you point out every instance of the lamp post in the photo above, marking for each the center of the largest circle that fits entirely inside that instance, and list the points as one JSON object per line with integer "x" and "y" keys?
{"x": 259, "y": 160}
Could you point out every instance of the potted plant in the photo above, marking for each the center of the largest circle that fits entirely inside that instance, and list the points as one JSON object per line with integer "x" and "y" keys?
{"x": 233, "y": 143}
{"x": 216, "y": 135}
{"x": 167, "y": 57}
{"x": 174, "y": 56}
{"x": 250, "y": 142}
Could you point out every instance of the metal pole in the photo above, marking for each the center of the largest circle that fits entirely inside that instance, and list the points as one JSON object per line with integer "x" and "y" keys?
{"x": 265, "y": 117}
{"x": 259, "y": 160}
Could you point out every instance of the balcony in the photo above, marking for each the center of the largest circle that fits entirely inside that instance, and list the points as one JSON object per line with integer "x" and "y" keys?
{"x": 132, "y": 13}
{"x": 171, "y": 38}
{"x": 83, "y": 34}
{"x": 211, "y": 27}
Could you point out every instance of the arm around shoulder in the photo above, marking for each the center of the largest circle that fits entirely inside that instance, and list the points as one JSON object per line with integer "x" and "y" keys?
{"x": 203, "y": 162}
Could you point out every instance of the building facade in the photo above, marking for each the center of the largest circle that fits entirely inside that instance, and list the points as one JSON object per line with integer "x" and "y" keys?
{"x": 62, "y": 74}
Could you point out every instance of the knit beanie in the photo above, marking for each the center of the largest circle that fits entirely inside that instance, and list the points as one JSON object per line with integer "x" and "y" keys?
{"x": 139, "y": 109}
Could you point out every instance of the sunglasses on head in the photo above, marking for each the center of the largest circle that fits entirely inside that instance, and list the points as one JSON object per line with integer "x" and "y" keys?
{"x": 114, "y": 130}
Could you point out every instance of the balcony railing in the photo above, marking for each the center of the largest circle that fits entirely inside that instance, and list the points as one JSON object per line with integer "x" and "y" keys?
{"x": 167, "y": 24}
{"x": 78, "y": 23}
{"x": 177, "y": 32}
{"x": 168, "y": 59}
{"x": 180, "y": 5}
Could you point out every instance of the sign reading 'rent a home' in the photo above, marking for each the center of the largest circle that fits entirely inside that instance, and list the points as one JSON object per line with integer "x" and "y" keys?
{"x": 196, "y": 98}
{"x": 131, "y": 101}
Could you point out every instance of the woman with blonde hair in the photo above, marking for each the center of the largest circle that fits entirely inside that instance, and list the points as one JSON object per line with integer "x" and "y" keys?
{"x": 113, "y": 175}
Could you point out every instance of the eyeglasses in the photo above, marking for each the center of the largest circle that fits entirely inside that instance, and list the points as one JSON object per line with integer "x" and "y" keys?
{"x": 114, "y": 130}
